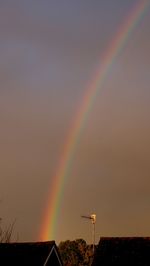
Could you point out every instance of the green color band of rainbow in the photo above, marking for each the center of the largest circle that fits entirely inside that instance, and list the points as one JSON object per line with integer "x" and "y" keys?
{"x": 49, "y": 221}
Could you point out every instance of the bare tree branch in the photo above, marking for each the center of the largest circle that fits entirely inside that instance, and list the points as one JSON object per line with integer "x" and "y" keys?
{"x": 6, "y": 234}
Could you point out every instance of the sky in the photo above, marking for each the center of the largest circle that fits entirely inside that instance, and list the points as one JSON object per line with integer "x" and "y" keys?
{"x": 49, "y": 53}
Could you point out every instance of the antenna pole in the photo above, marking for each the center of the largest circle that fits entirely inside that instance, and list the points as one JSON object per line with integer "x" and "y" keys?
{"x": 92, "y": 217}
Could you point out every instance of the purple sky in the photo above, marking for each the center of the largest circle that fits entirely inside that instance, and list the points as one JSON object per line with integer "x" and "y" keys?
{"x": 49, "y": 52}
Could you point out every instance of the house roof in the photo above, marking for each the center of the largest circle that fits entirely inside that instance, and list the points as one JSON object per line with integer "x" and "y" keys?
{"x": 116, "y": 251}
{"x": 27, "y": 254}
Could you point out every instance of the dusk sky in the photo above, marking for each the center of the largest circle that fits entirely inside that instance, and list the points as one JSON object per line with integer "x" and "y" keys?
{"x": 49, "y": 53}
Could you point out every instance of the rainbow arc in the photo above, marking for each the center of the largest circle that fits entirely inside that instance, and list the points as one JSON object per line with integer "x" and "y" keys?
{"x": 52, "y": 210}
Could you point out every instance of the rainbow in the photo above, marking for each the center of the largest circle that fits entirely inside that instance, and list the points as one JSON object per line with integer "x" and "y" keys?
{"x": 49, "y": 222}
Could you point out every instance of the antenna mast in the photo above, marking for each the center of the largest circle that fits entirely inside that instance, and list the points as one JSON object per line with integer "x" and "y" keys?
{"x": 91, "y": 217}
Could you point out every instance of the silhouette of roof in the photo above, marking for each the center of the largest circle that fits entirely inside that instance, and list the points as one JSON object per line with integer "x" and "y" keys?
{"x": 29, "y": 254}
{"x": 122, "y": 251}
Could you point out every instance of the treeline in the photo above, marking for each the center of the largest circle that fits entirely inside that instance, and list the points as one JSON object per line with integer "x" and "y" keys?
{"x": 76, "y": 252}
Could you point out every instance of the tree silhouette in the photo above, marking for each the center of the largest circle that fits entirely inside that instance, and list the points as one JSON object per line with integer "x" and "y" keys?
{"x": 6, "y": 233}
{"x": 76, "y": 252}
